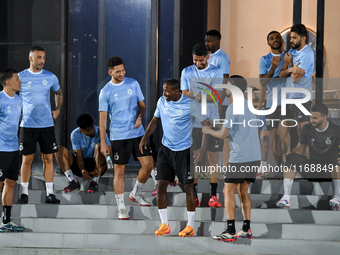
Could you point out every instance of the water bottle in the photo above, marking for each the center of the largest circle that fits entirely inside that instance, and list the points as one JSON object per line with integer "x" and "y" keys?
{"x": 109, "y": 161}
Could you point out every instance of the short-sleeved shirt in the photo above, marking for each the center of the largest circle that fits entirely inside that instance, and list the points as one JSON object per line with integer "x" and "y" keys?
{"x": 211, "y": 75}
{"x": 85, "y": 143}
{"x": 175, "y": 118}
{"x": 275, "y": 82}
{"x": 221, "y": 60}
{"x": 121, "y": 102}
{"x": 10, "y": 112}
{"x": 244, "y": 139}
{"x": 35, "y": 94}
{"x": 306, "y": 59}
{"x": 324, "y": 144}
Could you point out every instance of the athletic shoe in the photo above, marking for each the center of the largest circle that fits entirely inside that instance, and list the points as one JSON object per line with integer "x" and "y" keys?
{"x": 272, "y": 175}
{"x": 11, "y": 226}
{"x": 335, "y": 203}
{"x": 213, "y": 202}
{"x": 245, "y": 234}
{"x": 188, "y": 231}
{"x": 163, "y": 229}
{"x": 23, "y": 199}
{"x": 225, "y": 237}
{"x": 123, "y": 215}
{"x": 283, "y": 203}
{"x": 93, "y": 187}
{"x": 139, "y": 199}
{"x": 72, "y": 186}
{"x": 51, "y": 199}
{"x": 154, "y": 193}
{"x": 197, "y": 202}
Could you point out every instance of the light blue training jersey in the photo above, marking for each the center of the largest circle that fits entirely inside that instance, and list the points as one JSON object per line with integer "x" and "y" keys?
{"x": 221, "y": 60}
{"x": 211, "y": 75}
{"x": 121, "y": 102}
{"x": 244, "y": 140}
{"x": 35, "y": 94}
{"x": 275, "y": 82}
{"x": 85, "y": 143}
{"x": 306, "y": 59}
{"x": 10, "y": 112}
{"x": 175, "y": 118}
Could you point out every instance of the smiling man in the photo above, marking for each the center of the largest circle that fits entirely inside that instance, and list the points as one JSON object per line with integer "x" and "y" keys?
{"x": 87, "y": 161}
{"x": 123, "y": 99}
{"x": 323, "y": 139}
{"x": 37, "y": 121}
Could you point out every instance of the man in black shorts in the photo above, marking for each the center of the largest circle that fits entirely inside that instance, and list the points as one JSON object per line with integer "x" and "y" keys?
{"x": 10, "y": 112}
{"x": 87, "y": 160}
{"x": 37, "y": 121}
{"x": 243, "y": 164}
{"x": 323, "y": 139}
{"x": 173, "y": 109}
{"x": 123, "y": 100}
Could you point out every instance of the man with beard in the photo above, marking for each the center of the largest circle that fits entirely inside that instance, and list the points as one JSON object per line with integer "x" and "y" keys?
{"x": 195, "y": 77}
{"x": 269, "y": 70}
{"x": 87, "y": 161}
{"x": 323, "y": 139}
{"x": 301, "y": 56}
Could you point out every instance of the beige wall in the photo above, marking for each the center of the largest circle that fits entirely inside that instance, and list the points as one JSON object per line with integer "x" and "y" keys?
{"x": 214, "y": 7}
{"x": 246, "y": 23}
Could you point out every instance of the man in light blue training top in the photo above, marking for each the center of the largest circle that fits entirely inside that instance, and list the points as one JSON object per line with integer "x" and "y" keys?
{"x": 37, "y": 121}
{"x": 86, "y": 160}
{"x": 299, "y": 68}
{"x": 192, "y": 78}
{"x": 243, "y": 163}
{"x": 10, "y": 113}
{"x": 173, "y": 109}
{"x": 269, "y": 70}
{"x": 123, "y": 99}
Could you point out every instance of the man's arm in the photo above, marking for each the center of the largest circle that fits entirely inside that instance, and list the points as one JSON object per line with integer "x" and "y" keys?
{"x": 222, "y": 133}
{"x": 102, "y": 130}
{"x": 201, "y": 151}
{"x": 265, "y": 78}
{"x": 80, "y": 163}
{"x": 150, "y": 129}
{"x": 263, "y": 91}
{"x": 141, "y": 106}
{"x": 58, "y": 103}
{"x": 224, "y": 91}
{"x": 299, "y": 149}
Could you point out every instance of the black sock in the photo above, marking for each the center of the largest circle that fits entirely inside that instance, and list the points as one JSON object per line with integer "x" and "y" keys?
{"x": 246, "y": 225}
{"x": 213, "y": 189}
{"x": 7, "y": 214}
{"x": 195, "y": 189}
{"x": 231, "y": 227}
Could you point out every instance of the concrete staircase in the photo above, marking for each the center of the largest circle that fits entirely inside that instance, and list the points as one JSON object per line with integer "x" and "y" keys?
{"x": 88, "y": 223}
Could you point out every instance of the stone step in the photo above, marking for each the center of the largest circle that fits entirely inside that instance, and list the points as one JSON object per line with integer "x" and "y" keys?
{"x": 300, "y": 187}
{"x": 202, "y": 228}
{"x": 151, "y": 244}
{"x": 283, "y": 216}
{"x": 178, "y": 199}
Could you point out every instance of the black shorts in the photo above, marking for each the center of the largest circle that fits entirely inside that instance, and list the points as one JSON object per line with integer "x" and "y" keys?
{"x": 312, "y": 170}
{"x": 241, "y": 172}
{"x": 214, "y": 144}
{"x": 9, "y": 165}
{"x": 273, "y": 120}
{"x": 171, "y": 163}
{"x": 122, "y": 149}
{"x": 44, "y": 136}
{"x": 292, "y": 112}
{"x": 89, "y": 165}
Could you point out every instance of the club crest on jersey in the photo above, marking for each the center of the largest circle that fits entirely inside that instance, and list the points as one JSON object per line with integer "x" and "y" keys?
{"x": 18, "y": 107}
{"x": 93, "y": 144}
{"x": 129, "y": 91}
{"x": 44, "y": 82}
{"x": 179, "y": 112}
{"x": 328, "y": 141}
